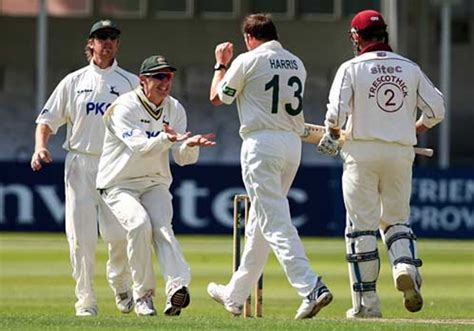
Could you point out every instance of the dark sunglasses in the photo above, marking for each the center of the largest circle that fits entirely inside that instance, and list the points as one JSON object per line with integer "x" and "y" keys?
{"x": 104, "y": 35}
{"x": 162, "y": 76}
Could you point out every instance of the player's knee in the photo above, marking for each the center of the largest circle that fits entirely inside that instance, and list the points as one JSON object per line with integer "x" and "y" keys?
{"x": 140, "y": 226}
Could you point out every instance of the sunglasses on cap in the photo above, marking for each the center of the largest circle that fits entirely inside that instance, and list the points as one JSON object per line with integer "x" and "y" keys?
{"x": 162, "y": 75}
{"x": 104, "y": 35}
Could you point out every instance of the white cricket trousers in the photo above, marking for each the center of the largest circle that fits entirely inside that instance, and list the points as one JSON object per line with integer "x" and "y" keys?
{"x": 145, "y": 211}
{"x": 376, "y": 183}
{"x": 270, "y": 160}
{"x": 85, "y": 211}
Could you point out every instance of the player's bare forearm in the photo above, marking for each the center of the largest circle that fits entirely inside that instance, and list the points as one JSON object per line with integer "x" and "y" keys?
{"x": 42, "y": 134}
{"x": 216, "y": 79}
{"x": 41, "y": 153}
{"x": 223, "y": 54}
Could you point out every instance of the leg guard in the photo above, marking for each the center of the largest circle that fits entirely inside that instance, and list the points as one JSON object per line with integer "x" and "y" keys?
{"x": 401, "y": 246}
{"x": 364, "y": 267}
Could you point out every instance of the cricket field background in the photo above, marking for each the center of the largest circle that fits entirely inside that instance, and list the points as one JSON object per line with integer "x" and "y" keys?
{"x": 37, "y": 290}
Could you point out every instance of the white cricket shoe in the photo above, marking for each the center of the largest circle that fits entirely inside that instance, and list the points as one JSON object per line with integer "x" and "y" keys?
{"x": 178, "y": 298}
{"x": 144, "y": 306}
{"x": 87, "y": 311}
{"x": 319, "y": 298}
{"x": 217, "y": 292}
{"x": 170, "y": 310}
{"x": 124, "y": 302}
{"x": 363, "y": 312}
{"x": 410, "y": 286}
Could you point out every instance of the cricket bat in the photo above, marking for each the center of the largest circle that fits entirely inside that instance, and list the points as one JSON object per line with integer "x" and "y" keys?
{"x": 313, "y": 134}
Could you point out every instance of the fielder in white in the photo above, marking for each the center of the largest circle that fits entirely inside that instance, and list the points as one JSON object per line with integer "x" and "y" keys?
{"x": 79, "y": 101}
{"x": 134, "y": 177}
{"x": 378, "y": 92}
{"x": 268, "y": 84}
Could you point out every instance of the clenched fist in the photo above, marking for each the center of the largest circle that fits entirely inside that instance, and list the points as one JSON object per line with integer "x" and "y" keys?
{"x": 224, "y": 53}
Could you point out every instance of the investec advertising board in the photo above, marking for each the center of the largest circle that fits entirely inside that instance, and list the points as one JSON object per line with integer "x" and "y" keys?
{"x": 442, "y": 201}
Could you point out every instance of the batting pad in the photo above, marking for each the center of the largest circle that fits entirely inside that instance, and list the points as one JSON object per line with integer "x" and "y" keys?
{"x": 401, "y": 245}
{"x": 364, "y": 267}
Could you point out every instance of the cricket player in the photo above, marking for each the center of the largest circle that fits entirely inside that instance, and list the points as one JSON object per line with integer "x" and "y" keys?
{"x": 134, "y": 177}
{"x": 376, "y": 95}
{"x": 79, "y": 101}
{"x": 267, "y": 83}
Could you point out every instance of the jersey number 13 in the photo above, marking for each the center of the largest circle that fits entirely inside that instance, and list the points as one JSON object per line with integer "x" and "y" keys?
{"x": 274, "y": 84}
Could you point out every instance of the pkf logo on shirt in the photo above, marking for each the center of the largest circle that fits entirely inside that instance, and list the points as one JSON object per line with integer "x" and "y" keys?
{"x": 96, "y": 108}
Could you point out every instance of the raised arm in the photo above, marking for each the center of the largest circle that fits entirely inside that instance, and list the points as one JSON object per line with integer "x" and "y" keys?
{"x": 224, "y": 53}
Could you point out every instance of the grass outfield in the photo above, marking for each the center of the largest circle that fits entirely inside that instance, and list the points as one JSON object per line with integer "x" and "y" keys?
{"x": 37, "y": 290}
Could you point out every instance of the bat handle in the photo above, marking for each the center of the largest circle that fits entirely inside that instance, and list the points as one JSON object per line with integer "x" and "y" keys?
{"x": 424, "y": 151}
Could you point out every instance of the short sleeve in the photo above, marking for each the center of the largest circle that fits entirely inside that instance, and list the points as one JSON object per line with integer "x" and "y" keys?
{"x": 233, "y": 81}
{"x": 54, "y": 112}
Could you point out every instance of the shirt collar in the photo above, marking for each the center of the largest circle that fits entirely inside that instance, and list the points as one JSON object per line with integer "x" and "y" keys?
{"x": 376, "y": 46}
{"x": 96, "y": 68}
{"x": 147, "y": 103}
{"x": 272, "y": 44}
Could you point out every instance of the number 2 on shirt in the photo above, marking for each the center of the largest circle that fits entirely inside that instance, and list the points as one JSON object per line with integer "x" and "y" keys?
{"x": 274, "y": 84}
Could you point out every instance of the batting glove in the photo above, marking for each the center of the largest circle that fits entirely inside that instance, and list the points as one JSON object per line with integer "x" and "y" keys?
{"x": 329, "y": 144}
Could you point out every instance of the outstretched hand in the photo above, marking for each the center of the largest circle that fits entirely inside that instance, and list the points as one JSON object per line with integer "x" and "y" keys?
{"x": 201, "y": 140}
{"x": 173, "y": 136}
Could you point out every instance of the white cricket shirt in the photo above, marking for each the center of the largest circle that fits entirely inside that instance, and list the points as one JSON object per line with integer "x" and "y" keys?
{"x": 135, "y": 146}
{"x": 379, "y": 93}
{"x": 268, "y": 83}
{"x": 80, "y": 100}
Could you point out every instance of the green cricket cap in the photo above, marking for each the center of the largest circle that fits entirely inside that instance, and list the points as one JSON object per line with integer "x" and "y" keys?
{"x": 155, "y": 63}
{"x": 103, "y": 24}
